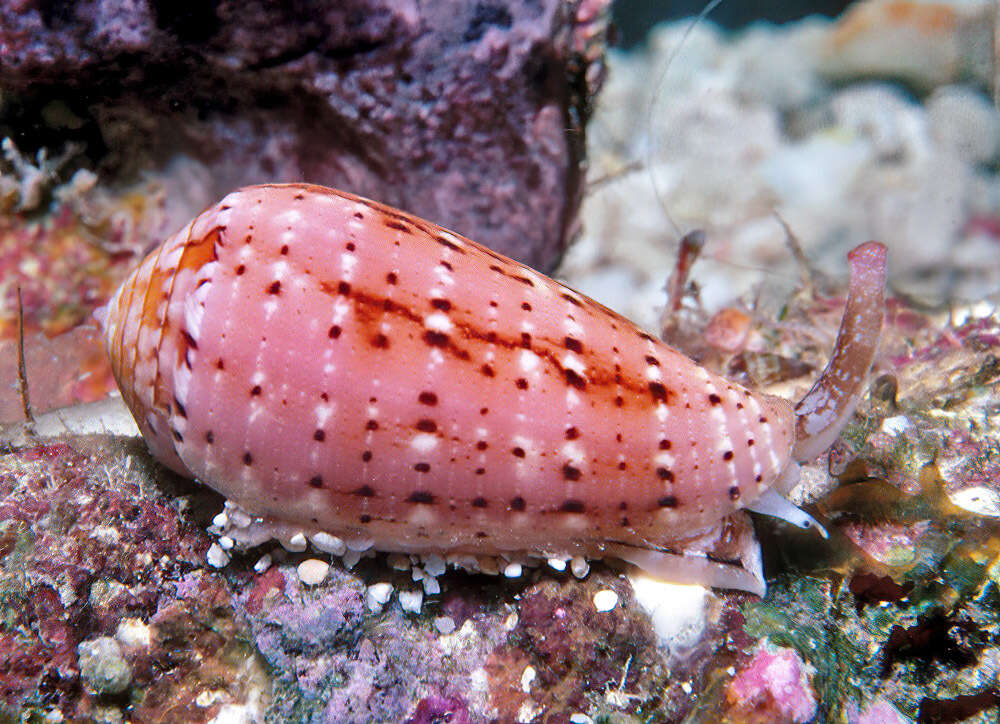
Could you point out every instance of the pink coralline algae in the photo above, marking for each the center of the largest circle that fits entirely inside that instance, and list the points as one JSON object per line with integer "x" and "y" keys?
{"x": 774, "y": 686}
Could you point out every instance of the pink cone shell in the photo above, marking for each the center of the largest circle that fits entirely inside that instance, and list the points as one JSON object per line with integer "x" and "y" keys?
{"x": 331, "y": 363}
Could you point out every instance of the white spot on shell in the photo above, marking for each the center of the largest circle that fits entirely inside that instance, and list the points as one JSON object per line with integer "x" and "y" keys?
{"x": 572, "y": 452}
{"x": 572, "y": 362}
{"x": 439, "y": 322}
{"x": 528, "y": 360}
{"x": 424, "y": 442}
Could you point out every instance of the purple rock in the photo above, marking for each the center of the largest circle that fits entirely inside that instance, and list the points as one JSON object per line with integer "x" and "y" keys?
{"x": 468, "y": 114}
{"x": 435, "y": 710}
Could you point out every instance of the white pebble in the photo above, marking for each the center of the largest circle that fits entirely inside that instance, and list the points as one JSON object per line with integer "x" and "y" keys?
{"x": 296, "y": 544}
{"x": 220, "y": 520}
{"x": 557, "y": 564}
{"x": 377, "y": 595}
{"x": 417, "y": 573}
{"x": 579, "y": 566}
{"x": 351, "y": 558}
{"x": 434, "y": 565}
{"x": 263, "y": 563}
{"x": 527, "y": 677}
{"x": 605, "y": 600}
{"x": 444, "y": 624}
{"x": 360, "y": 544}
{"x": 313, "y": 571}
{"x": 217, "y": 558}
{"x": 431, "y": 586}
{"x": 132, "y": 633}
{"x": 226, "y": 543}
{"x": 398, "y": 562}
{"x": 329, "y": 544}
{"x": 579, "y": 718}
{"x": 411, "y": 600}
{"x": 513, "y": 570}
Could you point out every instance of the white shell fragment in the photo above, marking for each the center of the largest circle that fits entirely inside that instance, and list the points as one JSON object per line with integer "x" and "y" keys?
{"x": 411, "y": 601}
{"x": 377, "y": 595}
{"x": 444, "y": 624}
{"x": 329, "y": 544}
{"x": 580, "y": 567}
{"x": 513, "y": 570}
{"x": 263, "y": 563}
{"x": 313, "y": 571}
{"x": 217, "y": 557}
{"x": 978, "y": 500}
{"x": 605, "y": 600}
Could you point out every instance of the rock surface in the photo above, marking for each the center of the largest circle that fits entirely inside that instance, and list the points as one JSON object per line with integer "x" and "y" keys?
{"x": 471, "y": 115}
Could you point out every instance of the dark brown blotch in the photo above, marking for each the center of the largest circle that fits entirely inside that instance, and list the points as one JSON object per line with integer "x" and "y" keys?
{"x": 659, "y": 392}
{"x": 427, "y": 398}
{"x": 435, "y": 338}
{"x": 480, "y": 502}
{"x": 521, "y": 383}
{"x": 393, "y": 224}
{"x": 715, "y": 399}
{"x": 425, "y": 424}
{"x": 209, "y": 437}
{"x": 448, "y": 243}
{"x": 371, "y": 425}
{"x": 380, "y": 341}
{"x": 247, "y": 458}
{"x": 573, "y": 345}
{"x": 391, "y": 278}
{"x": 316, "y": 481}
{"x": 443, "y": 304}
{"x": 334, "y": 331}
{"x": 734, "y": 493}
{"x": 728, "y": 455}
{"x": 255, "y": 391}
{"x": 575, "y": 380}
{"x": 667, "y": 501}
{"x": 572, "y": 433}
{"x": 365, "y": 491}
{"x": 422, "y": 467}
{"x": 572, "y": 505}
{"x": 319, "y": 435}
{"x": 665, "y": 474}
{"x": 517, "y": 452}
{"x": 651, "y": 360}
{"x": 571, "y": 473}
{"x": 275, "y": 288}
{"x": 518, "y": 503}
{"x": 424, "y": 497}
{"x": 366, "y": 456}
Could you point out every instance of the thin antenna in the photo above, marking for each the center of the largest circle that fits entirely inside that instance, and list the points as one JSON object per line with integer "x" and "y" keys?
{"x": 652, "y": 107}
{"x": 22, "y": 372}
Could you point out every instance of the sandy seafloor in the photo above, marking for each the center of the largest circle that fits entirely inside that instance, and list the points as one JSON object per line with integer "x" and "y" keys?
{"x": 875, "y": 134}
